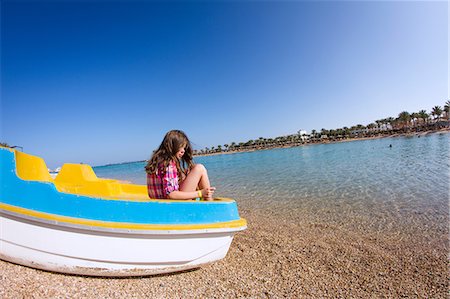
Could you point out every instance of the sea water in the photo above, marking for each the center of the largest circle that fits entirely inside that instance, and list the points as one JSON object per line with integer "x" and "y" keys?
{"x": 383, "y": 180}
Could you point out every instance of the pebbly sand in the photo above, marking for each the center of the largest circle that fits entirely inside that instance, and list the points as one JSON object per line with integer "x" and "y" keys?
{"x": 293, "y": 255}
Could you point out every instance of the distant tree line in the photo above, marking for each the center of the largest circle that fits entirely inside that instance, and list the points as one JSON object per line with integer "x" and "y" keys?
{"x": 405, "y": 122}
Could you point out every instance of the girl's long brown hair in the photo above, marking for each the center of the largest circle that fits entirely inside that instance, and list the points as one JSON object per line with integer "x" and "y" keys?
{"x": 171, "y": 144}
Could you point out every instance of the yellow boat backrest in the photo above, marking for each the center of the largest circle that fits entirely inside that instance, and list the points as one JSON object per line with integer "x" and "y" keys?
{"x": 81, "y": 179}
{"x": 76, "y": 173}
{"x": 31, "y": 168}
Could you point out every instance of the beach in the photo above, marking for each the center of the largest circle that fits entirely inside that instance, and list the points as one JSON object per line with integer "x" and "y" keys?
{"x": 345, "y": 220}
{"x": 305, "y": 258}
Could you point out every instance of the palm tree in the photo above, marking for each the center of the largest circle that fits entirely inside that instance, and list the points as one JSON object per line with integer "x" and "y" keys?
{"x": 404, "y": 118}
{"x": 395, "y": 123}
{"x": 261, "y": 141}
{"x": 390, "y": 121}
{"x": 380, "y": 123}
{"x": 332, "y": 133}
{"x": 447, "y": 109}
{"x": 436, "y": 111}
{"x": 313, "y": 135}
{"x": 371, "y": 128}
{"x": 324, "y": 132}
{"x": 346, "y": 131}
{"x": 424, "y": 115}
{"x": 414, "y": 117}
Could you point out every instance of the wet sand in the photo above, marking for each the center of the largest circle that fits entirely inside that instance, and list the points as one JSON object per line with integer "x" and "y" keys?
{"x": 293, "y": 255}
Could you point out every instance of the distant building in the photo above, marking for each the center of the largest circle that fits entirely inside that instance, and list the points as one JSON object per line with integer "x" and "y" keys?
{"x": 385, "y": 127}
{"x": 304, "y": 136}
{"x": 382, "y": 127}
{"x": 359, "y": 131}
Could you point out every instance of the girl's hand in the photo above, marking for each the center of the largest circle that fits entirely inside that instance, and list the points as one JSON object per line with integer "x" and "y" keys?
{"x": 207, "y": 193}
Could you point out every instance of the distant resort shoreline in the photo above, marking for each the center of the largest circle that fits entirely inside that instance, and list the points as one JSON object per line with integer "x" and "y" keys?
{"x": 328, "y": 141}
{"x": 444, "y": 127}
{"x": 406, "y": 124}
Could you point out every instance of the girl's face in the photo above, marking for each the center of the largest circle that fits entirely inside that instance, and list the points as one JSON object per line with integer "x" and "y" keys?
{"x": 180, "y": 152}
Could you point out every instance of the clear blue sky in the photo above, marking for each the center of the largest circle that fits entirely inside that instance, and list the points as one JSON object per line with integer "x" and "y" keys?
{"x": 101, "y": 82}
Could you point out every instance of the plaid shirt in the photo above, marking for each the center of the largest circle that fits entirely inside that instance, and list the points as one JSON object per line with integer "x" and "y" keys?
{"x": 163, "y": 182}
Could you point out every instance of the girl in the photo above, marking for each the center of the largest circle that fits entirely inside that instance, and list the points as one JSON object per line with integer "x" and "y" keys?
{"x": 172, "y": 174}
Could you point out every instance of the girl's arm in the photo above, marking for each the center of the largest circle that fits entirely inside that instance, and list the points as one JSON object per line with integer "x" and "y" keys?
{"x": 182, "y": 195}
{"x": 205, "y": 193}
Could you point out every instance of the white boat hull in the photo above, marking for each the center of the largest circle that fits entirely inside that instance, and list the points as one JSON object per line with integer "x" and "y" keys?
{"x": 75, "y": 250}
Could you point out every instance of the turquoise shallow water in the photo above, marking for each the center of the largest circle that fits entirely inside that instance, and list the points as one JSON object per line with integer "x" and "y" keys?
{"x": 408, "y": 182}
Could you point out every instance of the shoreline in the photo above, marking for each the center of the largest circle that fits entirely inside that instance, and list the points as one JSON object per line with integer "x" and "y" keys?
{"x": 409, "y": 134}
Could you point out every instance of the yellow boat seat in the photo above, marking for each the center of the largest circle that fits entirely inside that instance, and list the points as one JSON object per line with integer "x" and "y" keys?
{"x": 81, "y": 179}
{"x": 31, "y": 168}
{"x": 78, "y": 173}
{"x": 131, "y": 191}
